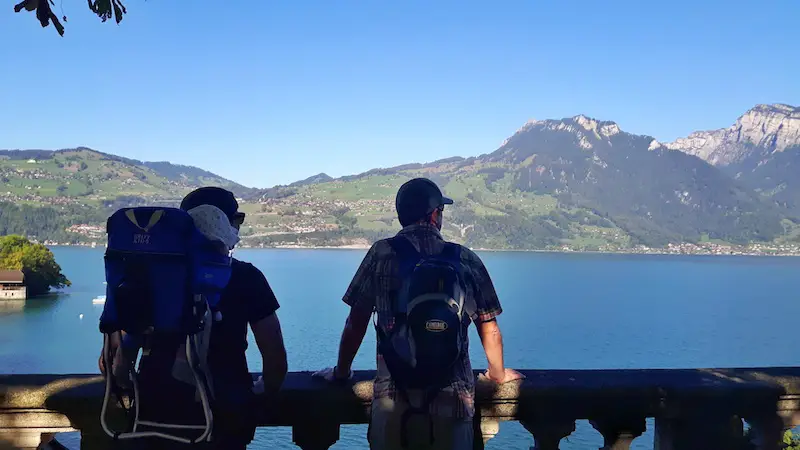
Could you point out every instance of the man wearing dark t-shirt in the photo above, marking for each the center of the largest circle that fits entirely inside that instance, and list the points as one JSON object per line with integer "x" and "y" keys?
{"x": 248, "y": 299}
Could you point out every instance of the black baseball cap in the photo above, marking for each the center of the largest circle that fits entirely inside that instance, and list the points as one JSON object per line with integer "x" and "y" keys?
{"x": 417, "y": 198}
{"x": 214, "y": 196}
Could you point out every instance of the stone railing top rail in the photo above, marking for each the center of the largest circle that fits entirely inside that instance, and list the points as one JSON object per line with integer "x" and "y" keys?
{"x": 567, "y": 394}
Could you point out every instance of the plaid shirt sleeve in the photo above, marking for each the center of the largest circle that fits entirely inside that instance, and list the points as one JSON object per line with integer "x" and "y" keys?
{"x": 487, "y": 304}
{"x": 362, "y": 290}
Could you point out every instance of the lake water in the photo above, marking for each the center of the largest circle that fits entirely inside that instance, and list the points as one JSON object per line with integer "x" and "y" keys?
{"x": 562, "y": 311}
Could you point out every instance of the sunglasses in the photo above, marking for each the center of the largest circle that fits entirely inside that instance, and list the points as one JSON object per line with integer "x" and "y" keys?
{"x": 238, "y": 219}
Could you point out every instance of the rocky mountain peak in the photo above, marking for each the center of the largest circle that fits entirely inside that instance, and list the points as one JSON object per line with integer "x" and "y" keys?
{"x": 585, "y": 128}
{"x": 779, "y": 108}
{"x": 654, "y": 145}
{"x": 587, "y": 123}
{"x": 584, "y": 123}
{"x": 768, "y": 127}
{"x": 602, "y": 128}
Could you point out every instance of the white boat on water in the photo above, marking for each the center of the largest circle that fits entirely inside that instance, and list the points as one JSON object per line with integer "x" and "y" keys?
{"x": 99, "y": 300}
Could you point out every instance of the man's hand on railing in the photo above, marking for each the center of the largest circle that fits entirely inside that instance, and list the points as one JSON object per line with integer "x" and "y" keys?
{"x": 506, "y": 376}
{"x": 258, "y": 386}
{"x": 331, "y": 374}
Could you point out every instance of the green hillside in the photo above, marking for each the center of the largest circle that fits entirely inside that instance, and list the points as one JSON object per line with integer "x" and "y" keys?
{"x": 86, "y": 172}
{"x": 45, "y": 192}
{"x": 484, "y": 216}
{"x": 569, "y": 184}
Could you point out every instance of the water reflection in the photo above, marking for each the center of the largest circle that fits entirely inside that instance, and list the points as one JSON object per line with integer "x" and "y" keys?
{"x": 8, "y": 307}
{"x": 39, "y": 304}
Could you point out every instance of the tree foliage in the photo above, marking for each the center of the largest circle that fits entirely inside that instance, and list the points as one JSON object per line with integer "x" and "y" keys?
{"x": 791, "y": 440}
{"x": 36, "y": 261}
{"x": 104, "y": 9}
{"x": 47, "y": 223}
{"x": 510, "y": 231}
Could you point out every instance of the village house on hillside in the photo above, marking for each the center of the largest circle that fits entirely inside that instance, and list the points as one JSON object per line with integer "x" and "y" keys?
{"x": 12, "y": 285}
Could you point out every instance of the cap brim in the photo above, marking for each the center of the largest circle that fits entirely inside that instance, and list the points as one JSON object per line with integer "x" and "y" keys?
{"x": 447, "y": 201}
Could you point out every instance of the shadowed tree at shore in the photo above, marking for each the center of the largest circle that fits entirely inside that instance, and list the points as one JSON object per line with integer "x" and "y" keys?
{"x": 104, "y": 9}
{"x": 35, "y": 261}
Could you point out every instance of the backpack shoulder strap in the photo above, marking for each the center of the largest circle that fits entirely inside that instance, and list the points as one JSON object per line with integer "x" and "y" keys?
{"x": 452, "y": 252}
{"x": 406, "y": 253}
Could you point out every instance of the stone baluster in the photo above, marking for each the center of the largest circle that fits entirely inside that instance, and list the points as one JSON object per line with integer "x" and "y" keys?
{"x": 547, "y": 434}
{"x": 696, "y": 431}
{"x": 619, "y": 432}
{"x": 30, "y": 429}
{"x": 14, "y": 439}
{"x": 313, "y": 435}
{"x": 485, "y": 430}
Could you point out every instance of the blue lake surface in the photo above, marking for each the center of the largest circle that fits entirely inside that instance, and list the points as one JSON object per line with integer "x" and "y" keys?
{"x": 561, "y": 311}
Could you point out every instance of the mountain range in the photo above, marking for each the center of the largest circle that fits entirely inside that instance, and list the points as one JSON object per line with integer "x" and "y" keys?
{"x": 575, "y": 183}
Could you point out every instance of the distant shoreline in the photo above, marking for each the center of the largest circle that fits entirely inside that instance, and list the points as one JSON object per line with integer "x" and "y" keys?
{"x": 649, "y": 251}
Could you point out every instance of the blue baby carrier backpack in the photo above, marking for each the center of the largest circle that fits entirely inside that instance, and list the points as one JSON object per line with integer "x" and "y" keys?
{"x": 164, "y": 282}
{"x": 427, "y": 337}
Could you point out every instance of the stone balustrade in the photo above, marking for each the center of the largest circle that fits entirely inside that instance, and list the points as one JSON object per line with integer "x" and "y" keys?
{"x": 701, "y": 409}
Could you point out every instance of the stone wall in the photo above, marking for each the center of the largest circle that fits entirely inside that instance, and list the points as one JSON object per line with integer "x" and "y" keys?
{"x": 15, "y": 293}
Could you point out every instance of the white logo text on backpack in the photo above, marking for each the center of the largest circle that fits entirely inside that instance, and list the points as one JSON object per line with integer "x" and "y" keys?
{"x": 435, "y": 325}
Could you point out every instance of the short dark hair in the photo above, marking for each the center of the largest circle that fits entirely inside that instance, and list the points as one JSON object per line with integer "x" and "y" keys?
{"x": 404, "y": 221}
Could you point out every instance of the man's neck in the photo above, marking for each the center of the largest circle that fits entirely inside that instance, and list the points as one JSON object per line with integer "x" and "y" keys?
{"x": 421, "y": 225}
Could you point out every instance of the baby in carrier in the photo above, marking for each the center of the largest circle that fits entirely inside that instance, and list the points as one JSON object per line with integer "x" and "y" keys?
{"x": 215, "y": 226}
{"x": 212, "y": 223}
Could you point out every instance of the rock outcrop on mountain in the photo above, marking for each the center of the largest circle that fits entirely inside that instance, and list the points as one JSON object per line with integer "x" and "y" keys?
{"x": 764, "y": 129}
{"x": 655, "y": 194}
{"x": 761, "y": 150}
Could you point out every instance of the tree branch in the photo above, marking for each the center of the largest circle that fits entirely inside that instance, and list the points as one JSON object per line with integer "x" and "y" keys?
{"x": 104, "y": 9}
{"x": 43, "y": 13}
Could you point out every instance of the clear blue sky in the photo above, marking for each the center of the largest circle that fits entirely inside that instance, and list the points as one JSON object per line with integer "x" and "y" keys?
{"x": 269, "y": 92}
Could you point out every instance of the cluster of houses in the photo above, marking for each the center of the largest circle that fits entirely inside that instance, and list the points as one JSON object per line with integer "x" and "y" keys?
{"x": 92, "y": 231}
{"x": 36, "y": 174}
{"x": 34, "y": 197}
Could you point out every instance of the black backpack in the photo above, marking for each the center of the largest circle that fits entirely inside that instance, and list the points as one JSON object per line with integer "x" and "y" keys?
{"x": 426, "y": 340}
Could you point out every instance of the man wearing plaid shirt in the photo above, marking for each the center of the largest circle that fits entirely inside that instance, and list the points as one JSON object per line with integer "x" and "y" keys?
{"x": 420, "y": 205}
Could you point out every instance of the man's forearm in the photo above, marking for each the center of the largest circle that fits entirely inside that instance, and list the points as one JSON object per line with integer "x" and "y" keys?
{"x": 113, "y": 343}
{"x": 352, "y": 337}
{"x": 492, "y": 341}
{"x": 274, "y": 374}
{"x": 269, "y": 339}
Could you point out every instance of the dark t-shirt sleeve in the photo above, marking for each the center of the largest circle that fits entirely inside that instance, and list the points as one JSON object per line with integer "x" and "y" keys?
{"x": 260, "y": 301}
